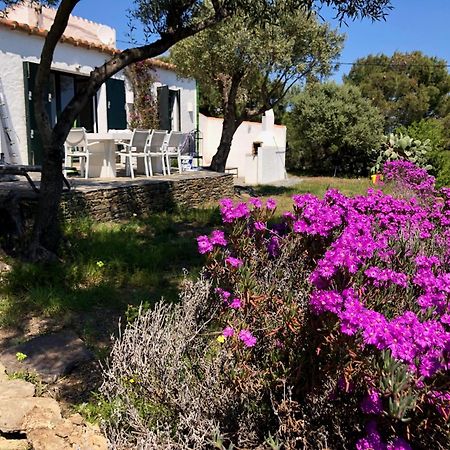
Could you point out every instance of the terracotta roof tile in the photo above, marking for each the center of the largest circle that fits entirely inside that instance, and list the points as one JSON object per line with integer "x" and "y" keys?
{"x": 13, "y": 25}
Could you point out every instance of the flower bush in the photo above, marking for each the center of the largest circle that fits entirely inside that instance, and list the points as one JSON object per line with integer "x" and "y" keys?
{"x": 375, "y": 330}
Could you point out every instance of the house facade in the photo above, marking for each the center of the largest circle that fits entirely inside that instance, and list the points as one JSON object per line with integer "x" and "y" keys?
{"x": 84, "y": 46}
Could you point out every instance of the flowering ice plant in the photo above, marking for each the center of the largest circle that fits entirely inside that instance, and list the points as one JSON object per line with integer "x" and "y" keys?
{"x": 375, "y": 273}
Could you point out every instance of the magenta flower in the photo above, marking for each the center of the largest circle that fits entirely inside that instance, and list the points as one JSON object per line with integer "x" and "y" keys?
{"x": 247, "y": 338}
{"x": 234, "y": 262}
{"x": 224, "y": 295}
{"x": 228, "y": 332}
{"x": 256, "y": 202}
{"x": 371, "y": 404}
{"x": 398, "y": 444}
{"x": 204, "y": 245}
{"x": 260, "y": 226}
{"x": 218, "y": 238}
{"x": 235, "y": 304}
{"x": 271, "y": 204}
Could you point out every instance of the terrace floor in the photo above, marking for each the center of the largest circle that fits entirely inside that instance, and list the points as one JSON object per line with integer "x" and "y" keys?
{"x": 78, "y": 184}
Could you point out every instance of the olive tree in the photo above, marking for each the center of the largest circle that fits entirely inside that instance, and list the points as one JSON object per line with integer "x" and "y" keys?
{"x": 252, "y": 68}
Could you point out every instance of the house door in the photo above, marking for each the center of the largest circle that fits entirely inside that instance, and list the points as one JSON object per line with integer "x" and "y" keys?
{"x": 117, "y": 115}
{"x": 169, "y": 108}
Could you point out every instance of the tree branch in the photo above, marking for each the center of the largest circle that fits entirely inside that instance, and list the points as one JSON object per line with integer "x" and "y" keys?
{"x": 100, "y": 74}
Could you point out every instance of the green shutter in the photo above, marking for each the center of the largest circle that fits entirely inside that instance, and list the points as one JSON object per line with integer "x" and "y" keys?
{"x": 117, "y": 115}
{"x": 164, "y": 108}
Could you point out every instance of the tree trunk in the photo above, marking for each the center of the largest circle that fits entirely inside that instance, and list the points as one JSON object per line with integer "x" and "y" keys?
{"x": 219, "y": 161}
{"x": 231, "y": 122}
{"x": 47, "y": 231}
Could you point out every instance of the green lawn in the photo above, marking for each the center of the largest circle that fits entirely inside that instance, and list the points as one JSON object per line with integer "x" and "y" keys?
{"x": 108, "y": 269}
{"x": 313, "y": 185}
{"x": 109, "y": 265}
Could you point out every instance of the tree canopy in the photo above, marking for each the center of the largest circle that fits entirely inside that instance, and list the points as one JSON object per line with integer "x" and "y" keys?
{"x": 332, "y": 129}
{"x": 248, "y": 70}
{"x": 406, "y": 87}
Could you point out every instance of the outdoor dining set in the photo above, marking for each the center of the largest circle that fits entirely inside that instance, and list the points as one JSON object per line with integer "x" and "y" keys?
{"x": 146, "y": 152}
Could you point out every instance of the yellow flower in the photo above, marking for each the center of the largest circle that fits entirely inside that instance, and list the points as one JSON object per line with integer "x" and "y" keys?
{"x": 131, "y": 380}
{"x": 100, "y": 263}
{"x": 221, "y": 339}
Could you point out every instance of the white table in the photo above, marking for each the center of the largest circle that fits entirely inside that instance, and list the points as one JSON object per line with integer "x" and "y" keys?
{"x": 102, "y": 161}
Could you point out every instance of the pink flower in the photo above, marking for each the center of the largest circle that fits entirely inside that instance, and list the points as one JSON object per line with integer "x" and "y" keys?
{"x": 371, "y": 404}
{"x": 247, "y": 338}
{"x": 218, "y": 238}
{"x": 236, "y": 303}
{"x": 204, "y": 245}
{"x": 225, "y": 295}
{"x": 271, "y": 204}
{"x": 228, "y": 332}
{"x": 260, "y": 226}
{"x": 234, "y": 262}
{"x": 256, "y": 202}
{"x": 399, "y": 444}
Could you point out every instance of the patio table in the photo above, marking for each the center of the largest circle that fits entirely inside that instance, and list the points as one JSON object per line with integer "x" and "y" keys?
{"x": 102, "y": 162}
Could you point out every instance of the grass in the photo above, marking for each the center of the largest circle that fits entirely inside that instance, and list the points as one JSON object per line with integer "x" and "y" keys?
{"x": 117, "y": 266}
{"x": 109, "y": 265}
{"x": 314, "y": 185}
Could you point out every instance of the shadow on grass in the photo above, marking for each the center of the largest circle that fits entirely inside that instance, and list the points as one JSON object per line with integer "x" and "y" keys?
{"x": 109, "y": 267}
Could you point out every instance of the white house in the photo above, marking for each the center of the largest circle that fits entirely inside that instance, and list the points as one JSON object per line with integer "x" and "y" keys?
{"x": 84, "y": 46}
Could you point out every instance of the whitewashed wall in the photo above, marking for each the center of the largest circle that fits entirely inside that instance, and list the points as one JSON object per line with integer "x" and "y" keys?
{"x": 17, "y": 47}
{"x": 267, "y": 167}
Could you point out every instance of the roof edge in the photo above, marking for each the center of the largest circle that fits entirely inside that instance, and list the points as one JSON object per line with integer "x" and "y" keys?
{"x": 35, "y": 31}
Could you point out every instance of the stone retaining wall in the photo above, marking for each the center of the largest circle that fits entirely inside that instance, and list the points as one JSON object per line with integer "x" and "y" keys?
{"x": 144, "y": 196}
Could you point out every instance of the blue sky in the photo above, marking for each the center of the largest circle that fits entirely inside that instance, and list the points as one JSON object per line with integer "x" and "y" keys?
{"x": 412, "y": 25}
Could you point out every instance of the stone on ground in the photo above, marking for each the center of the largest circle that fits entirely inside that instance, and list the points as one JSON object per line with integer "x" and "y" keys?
{"x": 3, "y": 375}
{"x": 14, "y": 444}
{"x": 14, "y": 411}
{"x": 50, "y": 355}
{"x": 16, "y": 389}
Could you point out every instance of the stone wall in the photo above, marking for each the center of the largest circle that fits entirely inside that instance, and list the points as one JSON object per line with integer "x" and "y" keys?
{"x": 145, "y": 196}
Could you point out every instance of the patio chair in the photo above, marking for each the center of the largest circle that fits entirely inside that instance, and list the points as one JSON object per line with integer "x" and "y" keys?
{"x": 136, "y": 148}
{"x": 174, "y": 149}
{"x": 156, "y": 149}
{"x": 77, "y": 146}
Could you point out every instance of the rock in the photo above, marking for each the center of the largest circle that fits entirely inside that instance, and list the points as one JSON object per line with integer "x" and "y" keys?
{"x": 16, "y": 389}
{"x": 76, "y": 419}
{"x": 41, "y": 417}
{"x": 14, "y": 411}
{"x": 50, "y": 355}
{"x": 13, "y": 444}
{"x": 85, "y": 438}
{"x": 64, "y": 428}
{"x": 45, "y": 439}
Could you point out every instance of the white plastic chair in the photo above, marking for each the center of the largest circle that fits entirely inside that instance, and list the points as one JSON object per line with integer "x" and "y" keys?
{"x": 156, "y": 149}
{"x": 136, "y": 148}
{"x": 77, "y": 145}
{"x": 174, "y": 146}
